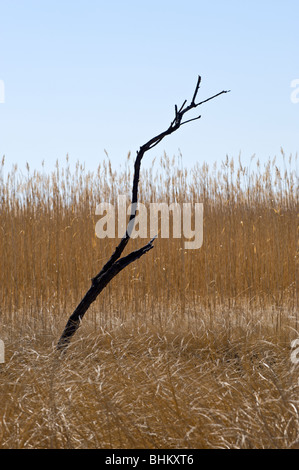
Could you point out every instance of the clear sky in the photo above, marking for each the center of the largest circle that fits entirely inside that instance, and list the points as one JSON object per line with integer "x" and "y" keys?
{"x": 84, "y": 76}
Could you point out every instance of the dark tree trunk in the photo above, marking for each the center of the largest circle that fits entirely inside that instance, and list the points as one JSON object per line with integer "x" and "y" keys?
{"x": 116, "y": 264}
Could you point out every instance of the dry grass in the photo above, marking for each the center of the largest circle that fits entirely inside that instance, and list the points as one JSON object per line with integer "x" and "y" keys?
{"x": 183, "y": 349}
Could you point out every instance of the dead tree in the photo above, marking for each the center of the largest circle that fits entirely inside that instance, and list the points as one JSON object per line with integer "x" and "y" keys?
{"x": 116, "y": 264}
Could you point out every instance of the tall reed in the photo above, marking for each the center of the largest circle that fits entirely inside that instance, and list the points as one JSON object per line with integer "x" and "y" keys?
{"x": 184, "y": 348}
{"x": 49, "y": 250}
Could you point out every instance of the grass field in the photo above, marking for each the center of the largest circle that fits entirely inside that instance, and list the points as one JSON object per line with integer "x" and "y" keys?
{"x": 184, "y": 348}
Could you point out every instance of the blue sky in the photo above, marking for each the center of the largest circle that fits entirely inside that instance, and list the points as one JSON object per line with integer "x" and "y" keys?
{"x": 84, "y": 76}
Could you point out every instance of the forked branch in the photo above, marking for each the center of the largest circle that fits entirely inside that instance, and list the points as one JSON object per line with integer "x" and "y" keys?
{"x": 116, "y": 264}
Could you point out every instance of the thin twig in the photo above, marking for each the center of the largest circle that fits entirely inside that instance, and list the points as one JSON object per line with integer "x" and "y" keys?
{"x": 189, "y": 120}
{"x": 196, "y": 89}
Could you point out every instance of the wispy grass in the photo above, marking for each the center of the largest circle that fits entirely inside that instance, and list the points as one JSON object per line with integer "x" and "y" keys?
{"x": 183, "y": 349}
{"x": 133, "y": 386}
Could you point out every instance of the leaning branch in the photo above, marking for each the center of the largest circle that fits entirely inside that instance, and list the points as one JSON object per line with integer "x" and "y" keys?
{"x": 115, "y": 264}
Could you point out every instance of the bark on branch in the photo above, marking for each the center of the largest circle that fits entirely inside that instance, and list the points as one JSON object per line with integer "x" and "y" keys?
{"x": 116, "y": 264}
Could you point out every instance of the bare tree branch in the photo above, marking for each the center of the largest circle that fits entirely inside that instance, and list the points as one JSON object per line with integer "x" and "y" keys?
{"x": 115, "y": 264}
{"x": 196, "y": 89}
{"x": 98, "y": 284}
{"x": 182, "y": 106}
{"x": 189, "y": 120}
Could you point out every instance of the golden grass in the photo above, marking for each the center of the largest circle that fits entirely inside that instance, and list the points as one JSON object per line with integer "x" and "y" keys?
{"x": 183, "y": 349}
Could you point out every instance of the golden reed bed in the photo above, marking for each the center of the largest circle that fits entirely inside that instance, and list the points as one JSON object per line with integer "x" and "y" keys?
{"x": 184, "y": 348}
